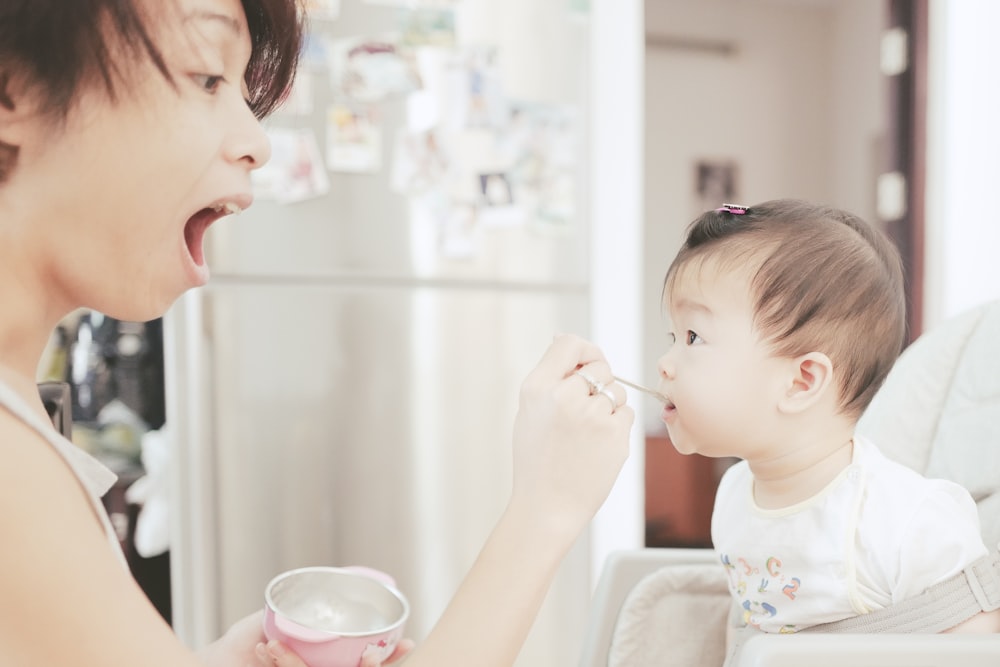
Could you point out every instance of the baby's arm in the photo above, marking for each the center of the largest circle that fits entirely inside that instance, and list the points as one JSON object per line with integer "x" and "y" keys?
{"x": 943, "y": 538}
{"x": 986, "y": 622}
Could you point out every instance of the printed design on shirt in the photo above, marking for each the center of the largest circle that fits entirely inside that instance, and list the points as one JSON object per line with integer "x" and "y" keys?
{"x": 761, "y": 589}
{"x": 755, "y": 613}
{"x": 791, "y": 588}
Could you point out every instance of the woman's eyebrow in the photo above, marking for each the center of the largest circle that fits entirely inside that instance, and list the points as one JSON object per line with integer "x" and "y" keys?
{"x": 204, "y": 15}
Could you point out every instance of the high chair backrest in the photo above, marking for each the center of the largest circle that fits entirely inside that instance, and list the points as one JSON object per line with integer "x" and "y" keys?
{"x": 939, "y": 410}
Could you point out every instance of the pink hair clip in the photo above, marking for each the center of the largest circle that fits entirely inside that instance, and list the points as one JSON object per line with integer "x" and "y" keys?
{"x": 732, "y": 208}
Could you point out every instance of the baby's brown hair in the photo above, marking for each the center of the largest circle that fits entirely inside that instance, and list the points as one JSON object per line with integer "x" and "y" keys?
{"x": 823, "y": 280}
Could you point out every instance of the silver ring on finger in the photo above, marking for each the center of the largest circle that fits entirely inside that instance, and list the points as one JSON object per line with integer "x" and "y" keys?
{"x": 593, "y": 384}
{"x": 610, "y": 395}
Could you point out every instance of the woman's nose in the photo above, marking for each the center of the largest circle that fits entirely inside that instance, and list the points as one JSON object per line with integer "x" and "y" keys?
{"x": 248, "y": 142}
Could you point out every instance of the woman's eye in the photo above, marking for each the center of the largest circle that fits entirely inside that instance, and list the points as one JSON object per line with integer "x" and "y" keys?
{"x": 209, "y": 82}
{"x": 692, "y": 337}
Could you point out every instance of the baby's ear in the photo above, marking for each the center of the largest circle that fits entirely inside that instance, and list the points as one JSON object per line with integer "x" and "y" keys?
{"x": 810, "y": 378}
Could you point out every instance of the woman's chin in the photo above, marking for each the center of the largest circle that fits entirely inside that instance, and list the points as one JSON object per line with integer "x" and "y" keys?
{"x": 137, "y": 312}
{"x": 198, "y": 274}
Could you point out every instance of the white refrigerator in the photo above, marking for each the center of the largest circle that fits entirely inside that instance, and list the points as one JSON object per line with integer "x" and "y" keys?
{"x": 343, "y": 390}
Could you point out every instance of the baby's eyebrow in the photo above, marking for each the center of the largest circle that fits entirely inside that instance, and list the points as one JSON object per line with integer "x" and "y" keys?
{"x": 685, "y": 304}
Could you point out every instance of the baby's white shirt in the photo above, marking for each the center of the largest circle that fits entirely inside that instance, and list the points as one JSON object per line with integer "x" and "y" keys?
{"x": 877, "y": 534}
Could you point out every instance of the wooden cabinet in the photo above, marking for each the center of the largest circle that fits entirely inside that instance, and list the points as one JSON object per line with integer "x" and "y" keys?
{"x": 680, "y": 494}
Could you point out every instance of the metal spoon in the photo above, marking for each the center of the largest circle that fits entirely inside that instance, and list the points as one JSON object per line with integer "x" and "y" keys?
{"x": 646, "y": 390}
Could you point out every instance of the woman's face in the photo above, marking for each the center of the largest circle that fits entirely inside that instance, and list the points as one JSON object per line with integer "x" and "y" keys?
{"x": 120, "y": 195}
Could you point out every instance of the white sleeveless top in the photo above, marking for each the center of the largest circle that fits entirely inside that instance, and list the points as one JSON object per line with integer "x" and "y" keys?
{"x": 94, "y": 477}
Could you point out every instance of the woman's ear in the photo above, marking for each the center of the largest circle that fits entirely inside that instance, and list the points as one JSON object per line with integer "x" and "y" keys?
{"x": 14, "y": 111}
{"x": 6, "y": 102}
{"x": 811, "y": 378}
{"x": 14, "y": 105}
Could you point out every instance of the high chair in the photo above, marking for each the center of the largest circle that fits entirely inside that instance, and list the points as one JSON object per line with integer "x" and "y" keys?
{"x": 938, "y": 413}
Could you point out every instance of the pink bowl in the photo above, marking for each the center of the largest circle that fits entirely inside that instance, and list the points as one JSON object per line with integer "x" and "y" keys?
{"x": 334, "y": 616}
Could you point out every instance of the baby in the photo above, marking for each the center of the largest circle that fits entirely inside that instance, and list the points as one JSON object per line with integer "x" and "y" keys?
{"x": 785, "y": 319}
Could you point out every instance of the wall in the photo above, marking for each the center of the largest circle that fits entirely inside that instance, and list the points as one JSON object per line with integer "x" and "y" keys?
{"x": 539, "y": 51}
{"x": 797, "y": 104}
{"x": 962, "y": 234}
{"x": 616, "y": 207}
{"x": 858, "y": 100}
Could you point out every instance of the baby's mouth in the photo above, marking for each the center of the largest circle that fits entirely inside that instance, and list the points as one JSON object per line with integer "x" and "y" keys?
{"x": 194, "y": 228}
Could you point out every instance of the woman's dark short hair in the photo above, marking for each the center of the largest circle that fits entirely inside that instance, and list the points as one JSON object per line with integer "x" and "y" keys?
{"x": 55, "y": 46}
{"x": 821, "y": 279}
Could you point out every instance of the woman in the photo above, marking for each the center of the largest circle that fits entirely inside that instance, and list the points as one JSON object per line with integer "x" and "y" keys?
{"x": 126, "y": 128}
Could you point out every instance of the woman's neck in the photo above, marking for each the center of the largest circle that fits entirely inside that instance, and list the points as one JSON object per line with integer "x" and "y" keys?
{"x": 31, "y": 303}
{"x": 26, "y": 326}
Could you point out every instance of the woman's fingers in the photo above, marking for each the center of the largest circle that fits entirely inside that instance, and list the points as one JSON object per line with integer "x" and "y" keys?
{"x": 402, "y": 649}
{"x": 599, "y": 381}
{"x": 567, "y": 353}
{"x": 276, "y": 654}
{"x": 571, "y": 434}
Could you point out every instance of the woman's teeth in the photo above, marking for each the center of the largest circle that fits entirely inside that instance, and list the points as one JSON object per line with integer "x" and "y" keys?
{"x": 229, "y": 208}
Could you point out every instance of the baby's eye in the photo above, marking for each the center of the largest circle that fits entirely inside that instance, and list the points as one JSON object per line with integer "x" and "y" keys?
{"x": 671, "y": 338}
{"x": 209, "y": 82}
{"x": 692, "y": 337}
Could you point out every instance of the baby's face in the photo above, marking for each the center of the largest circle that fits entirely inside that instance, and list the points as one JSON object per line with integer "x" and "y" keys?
{"x": 720, "y": 376}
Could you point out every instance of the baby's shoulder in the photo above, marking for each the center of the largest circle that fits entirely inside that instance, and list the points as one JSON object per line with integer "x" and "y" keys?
{"x": 738, "y": 476}
{"x": 915, "y": 531}
{"x": 893, "y": 485}
{"x": 906, "y": 508}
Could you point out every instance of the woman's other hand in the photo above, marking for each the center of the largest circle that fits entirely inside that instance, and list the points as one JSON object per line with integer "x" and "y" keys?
{"x": 274, "y": 654}
{"x": 244, "y": 645}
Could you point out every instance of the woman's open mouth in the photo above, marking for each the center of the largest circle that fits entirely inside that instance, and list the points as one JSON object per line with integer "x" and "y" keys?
{"x": 194, "y": 228}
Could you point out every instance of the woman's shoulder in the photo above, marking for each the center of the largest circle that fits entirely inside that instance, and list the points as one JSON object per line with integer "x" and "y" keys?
{"x": 43, "y": 473}
{"x": 31, "y": 463}
{"x": 57, "y": 558}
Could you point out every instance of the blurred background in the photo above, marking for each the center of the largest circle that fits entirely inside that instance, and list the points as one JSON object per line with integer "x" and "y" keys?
{"x": 453, "y": 182}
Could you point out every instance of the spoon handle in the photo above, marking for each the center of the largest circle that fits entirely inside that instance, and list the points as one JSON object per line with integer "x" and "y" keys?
{"x": 646, "y": 390}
